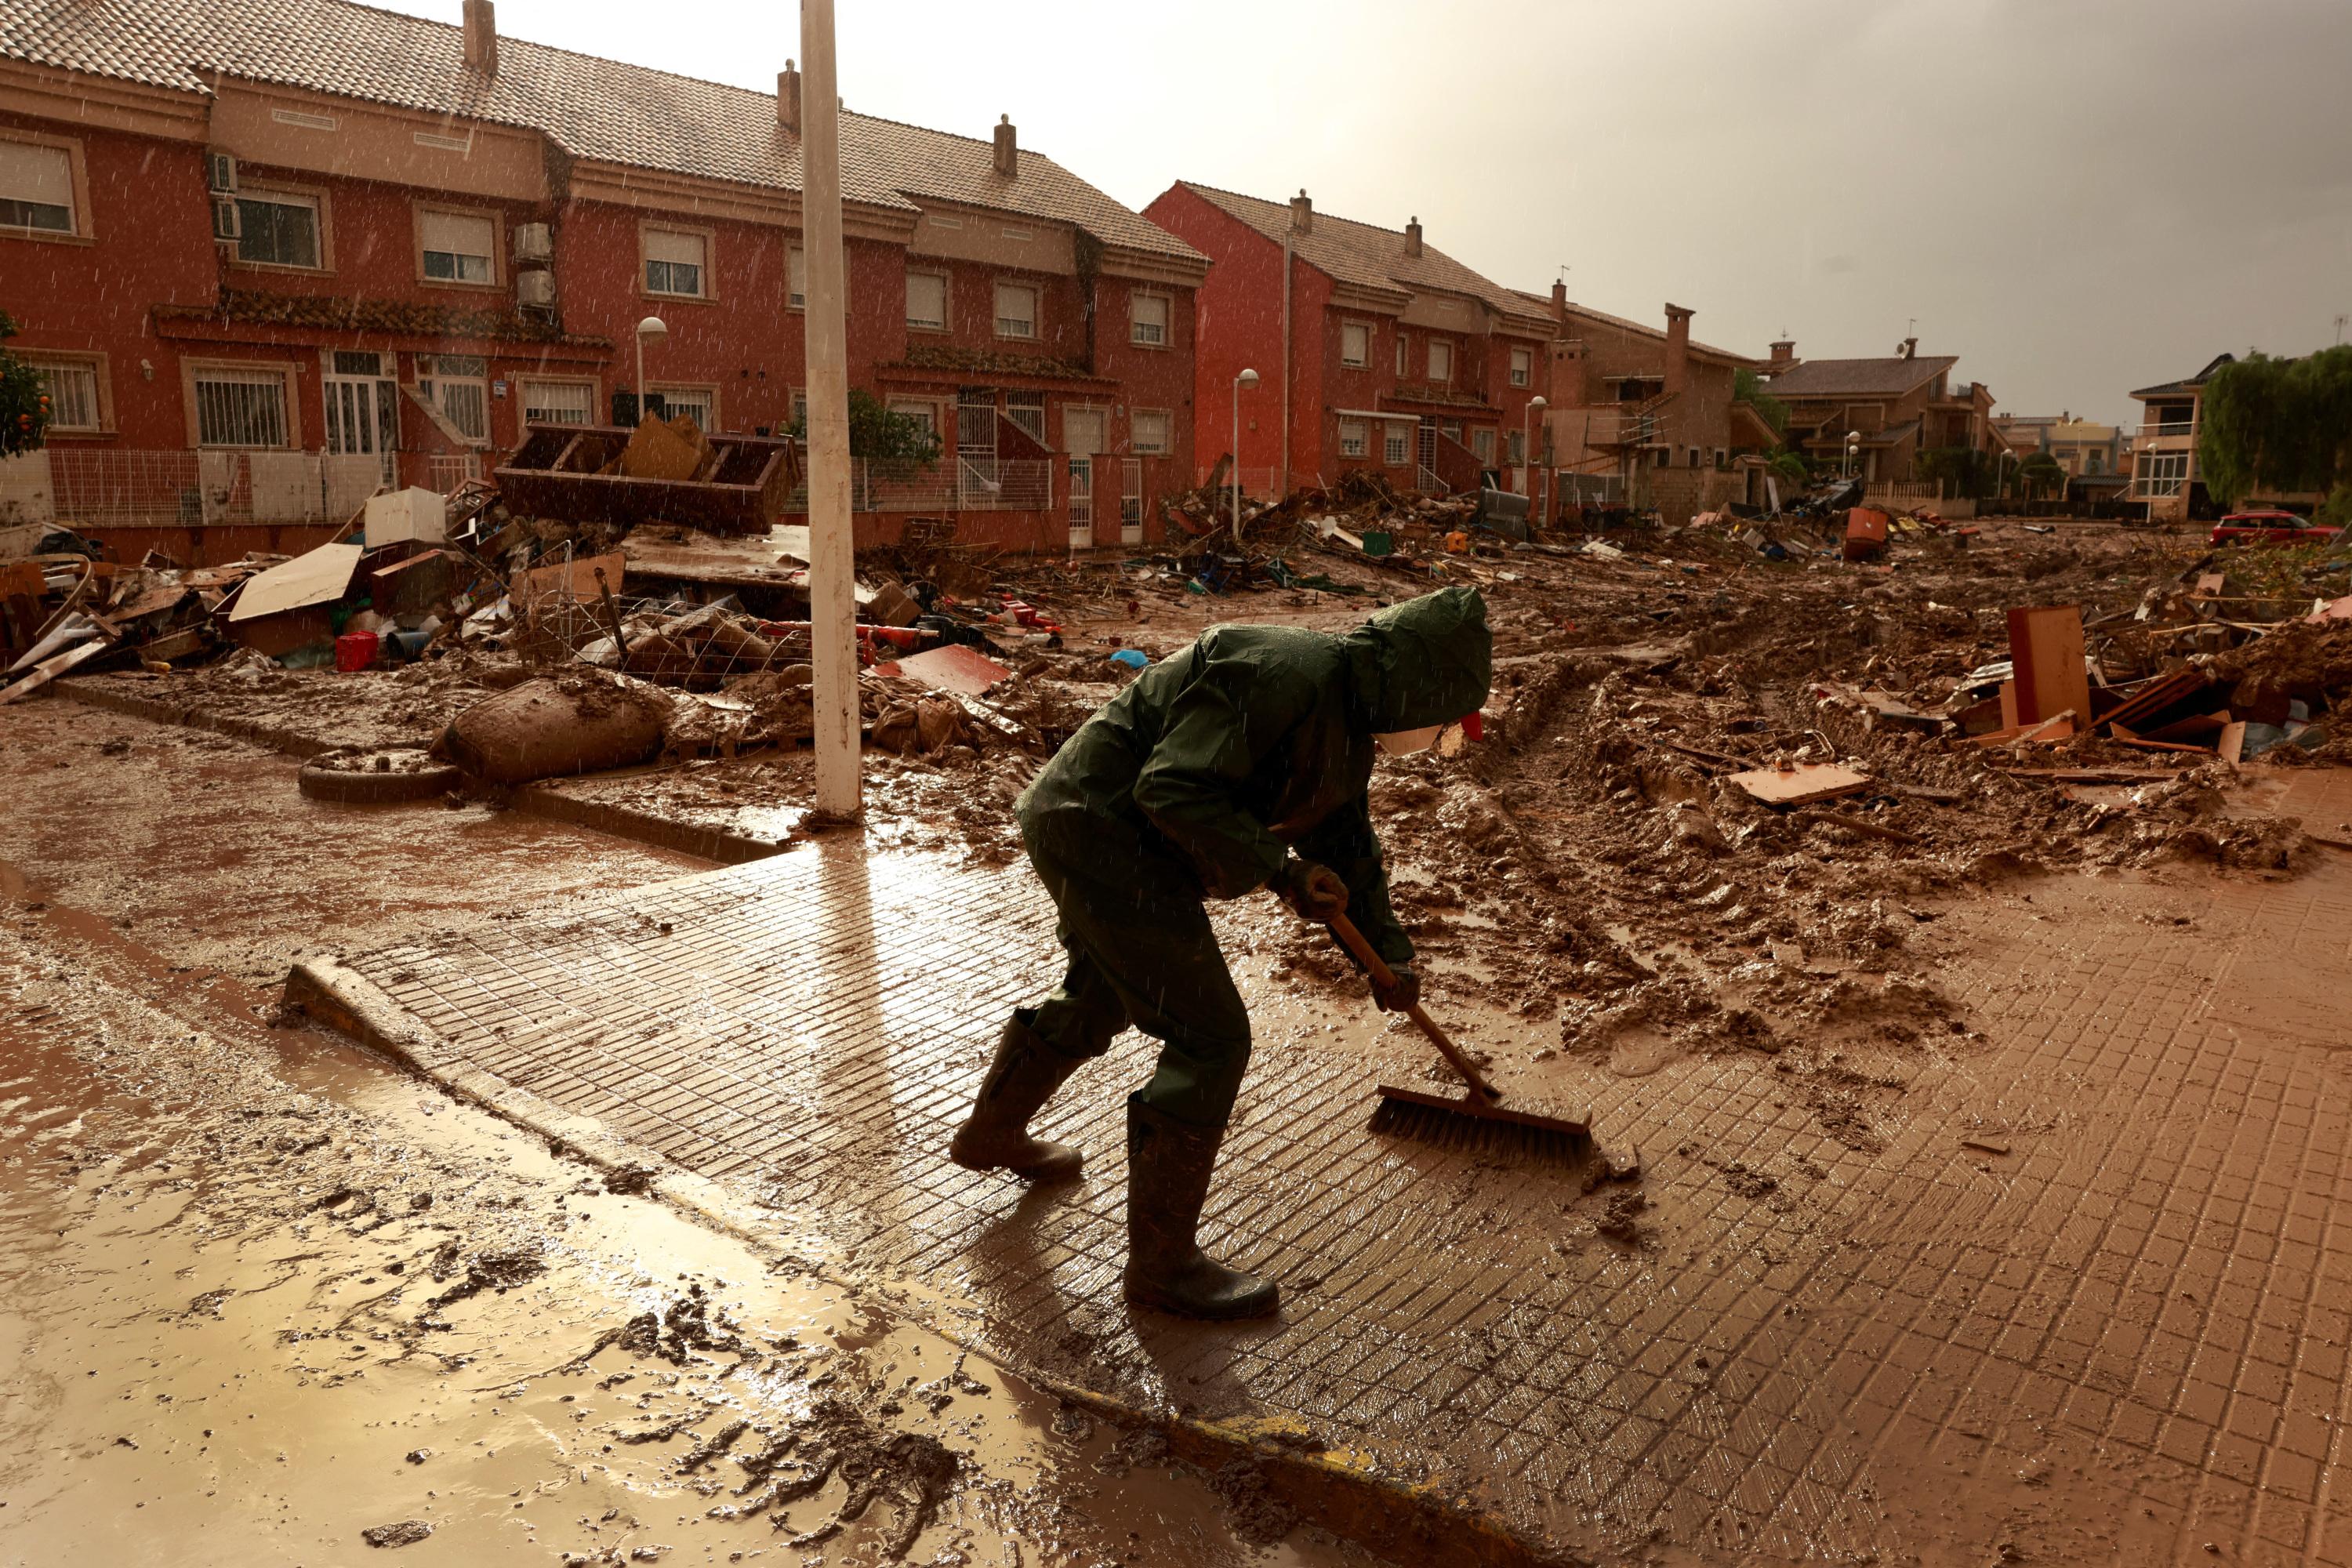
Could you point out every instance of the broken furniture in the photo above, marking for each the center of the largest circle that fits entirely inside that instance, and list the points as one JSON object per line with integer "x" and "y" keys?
{"x": 576, "y": 473}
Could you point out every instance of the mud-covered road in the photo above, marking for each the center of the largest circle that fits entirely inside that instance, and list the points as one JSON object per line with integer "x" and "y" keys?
{"x": 265, "y": 1299}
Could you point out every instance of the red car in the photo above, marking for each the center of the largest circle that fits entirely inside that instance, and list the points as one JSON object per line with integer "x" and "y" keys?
{"x": 2269, "y": 528}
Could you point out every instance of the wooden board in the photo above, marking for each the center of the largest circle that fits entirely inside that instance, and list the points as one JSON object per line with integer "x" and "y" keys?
{"x": 1802, "y": 784}
{"x": 2154, "y": 697}
{"x": 2045, "y": 645}
{"x": 966, "y": 671}
{"x": 320, "y": 577}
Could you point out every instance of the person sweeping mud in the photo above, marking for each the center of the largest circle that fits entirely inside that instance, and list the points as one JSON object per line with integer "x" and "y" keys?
{"x": 1239, "y": 764}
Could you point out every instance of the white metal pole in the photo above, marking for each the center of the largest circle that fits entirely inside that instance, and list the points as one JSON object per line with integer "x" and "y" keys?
{"x": 641, "y": 378}
{"x": 833, "y": 606}
{"x": 1237, "y": 463}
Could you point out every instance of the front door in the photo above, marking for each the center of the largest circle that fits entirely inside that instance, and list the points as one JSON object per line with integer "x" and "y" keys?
{"x": 1130, "y": 501}
{"x": 1082, "y": 438}
{"x": 362, "y": 409}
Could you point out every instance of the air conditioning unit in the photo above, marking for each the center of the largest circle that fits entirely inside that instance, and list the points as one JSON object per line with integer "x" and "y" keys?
{"x": 226, "y": 227}
{"x": 533, "y": 242}
{"x": 535, "y": 290}
{"x": 220, "y": 174}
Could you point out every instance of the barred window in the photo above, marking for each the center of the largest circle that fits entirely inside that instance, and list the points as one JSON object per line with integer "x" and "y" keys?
{"x": 240, "y": 408}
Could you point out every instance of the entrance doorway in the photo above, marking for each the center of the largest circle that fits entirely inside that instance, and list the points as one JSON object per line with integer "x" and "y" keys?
{"x": 362, "y": 408}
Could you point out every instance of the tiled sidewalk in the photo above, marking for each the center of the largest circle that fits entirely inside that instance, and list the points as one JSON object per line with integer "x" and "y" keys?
{"x": 2118, "y": 1341}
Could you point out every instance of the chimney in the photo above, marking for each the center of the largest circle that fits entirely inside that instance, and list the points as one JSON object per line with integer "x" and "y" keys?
{"x": 1568, "y": 374}
{"x": 1413, "y": 238}
{"x": 788, "y": 98}
{"x": 481, "y": 37}
{"x": 1560, "y": 299}
{"x": 1784, "y": 355}
{"x": 1678, "y": 348}
{"x": 1910, "y": 346}
{"x": 1302, "y": 213}
{"x": 1008, "y": 147}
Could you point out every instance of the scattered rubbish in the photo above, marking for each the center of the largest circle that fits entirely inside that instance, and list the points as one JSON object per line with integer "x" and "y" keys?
{"x": 1131, "y": 658}
{"x": 952, "y": 668}
{"x": 1800, "y": 784}
{"x": 578, "y": 722}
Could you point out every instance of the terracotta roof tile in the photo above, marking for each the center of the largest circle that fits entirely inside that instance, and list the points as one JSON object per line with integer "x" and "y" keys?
{"x": 1373, "y": 257}
{"x": 1890, "y": 377}
{"x": 591, "y": 108}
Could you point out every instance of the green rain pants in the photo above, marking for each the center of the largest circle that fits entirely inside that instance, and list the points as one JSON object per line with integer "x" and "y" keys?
{"x": 1141, "y": 952}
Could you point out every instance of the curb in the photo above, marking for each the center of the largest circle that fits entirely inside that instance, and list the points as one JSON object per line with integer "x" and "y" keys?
{"x": 713, "y": 843}
{"x": 1340, "y": 1489}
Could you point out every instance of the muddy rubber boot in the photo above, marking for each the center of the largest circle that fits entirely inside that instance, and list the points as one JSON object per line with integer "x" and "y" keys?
{"x": 1169, "y": 1164}
{"x": 995, "y": 1136}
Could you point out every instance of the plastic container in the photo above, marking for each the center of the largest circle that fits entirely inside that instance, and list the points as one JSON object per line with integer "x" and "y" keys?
{"x": 355, "y": 651}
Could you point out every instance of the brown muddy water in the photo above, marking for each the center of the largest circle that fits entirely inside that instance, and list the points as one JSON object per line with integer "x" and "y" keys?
{"x": 266, "y": 1300}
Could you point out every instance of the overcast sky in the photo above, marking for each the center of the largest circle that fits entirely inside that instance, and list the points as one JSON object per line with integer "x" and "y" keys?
{"x": 2075, "y": 197}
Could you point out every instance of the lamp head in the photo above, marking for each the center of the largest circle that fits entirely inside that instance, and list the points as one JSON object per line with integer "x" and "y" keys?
{"x": 653, "y": 328}
{"x": 1247, "y": 378}
{"x": 1538, "y": 402}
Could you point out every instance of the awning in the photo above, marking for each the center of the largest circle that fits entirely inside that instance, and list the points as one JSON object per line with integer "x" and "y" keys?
{"x": 1375, "y": 413}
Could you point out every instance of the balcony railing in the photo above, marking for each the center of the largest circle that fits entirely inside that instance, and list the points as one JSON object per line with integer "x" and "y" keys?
{"x": 2156, "y": 489}
{"x": 2170, "y": 427}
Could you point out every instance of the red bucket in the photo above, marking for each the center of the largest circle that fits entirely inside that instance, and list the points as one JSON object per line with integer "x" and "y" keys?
{"x": 355, "y": 651}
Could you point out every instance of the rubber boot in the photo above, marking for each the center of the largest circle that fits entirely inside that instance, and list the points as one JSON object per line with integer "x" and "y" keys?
{"x": 1168, "y": 1162}
{"x": 995, "y": 1136}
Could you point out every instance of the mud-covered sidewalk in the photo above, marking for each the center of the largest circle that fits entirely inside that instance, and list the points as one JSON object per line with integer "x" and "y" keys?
{"x": 265, "y": 1298}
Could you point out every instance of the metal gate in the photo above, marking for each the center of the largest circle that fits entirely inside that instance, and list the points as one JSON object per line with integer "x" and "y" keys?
{"x": 1082, "y": 503}
{"x": 1130, "y": 501}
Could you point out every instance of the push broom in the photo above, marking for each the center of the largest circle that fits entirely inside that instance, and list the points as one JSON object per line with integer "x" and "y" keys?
{"x": 1437, "y": 1117}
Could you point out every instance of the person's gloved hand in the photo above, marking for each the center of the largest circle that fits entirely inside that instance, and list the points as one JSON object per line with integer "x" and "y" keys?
{"x": 1314, "y": 891}
{"x": 1404, "y": 994}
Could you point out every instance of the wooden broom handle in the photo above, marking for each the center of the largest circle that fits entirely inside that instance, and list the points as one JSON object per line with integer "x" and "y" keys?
{"x": 1345, "y": 929}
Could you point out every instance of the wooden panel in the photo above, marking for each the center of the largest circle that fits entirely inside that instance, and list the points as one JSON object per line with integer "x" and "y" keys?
{"x": 2046, "y": 647}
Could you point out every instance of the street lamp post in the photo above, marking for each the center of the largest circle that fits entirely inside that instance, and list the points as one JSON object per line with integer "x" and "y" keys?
{"x": 1248, "y": 378}
{"x": 1536, "y": 405}
{"x": 1853, "y": 450}
{"x": 655, "y": 328}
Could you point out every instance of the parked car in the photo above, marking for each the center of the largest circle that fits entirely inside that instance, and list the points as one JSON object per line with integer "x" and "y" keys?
{"x": 2269, "y": 527}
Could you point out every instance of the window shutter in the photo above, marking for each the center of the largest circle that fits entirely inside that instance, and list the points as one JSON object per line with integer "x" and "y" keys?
{"x": 459, "y": 233}
{"x": 665, "y": 245}
{"x": 926, "y": 300}
{"x": 41, "y": 176}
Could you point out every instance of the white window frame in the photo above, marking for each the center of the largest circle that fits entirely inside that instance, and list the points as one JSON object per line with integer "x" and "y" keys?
{"x": 1036, "y": 309}
{"x": 1138, "y": 331}
{"x": 481, "y": 215}
{"x": 79, "y": 229}
{"x": 940, "y": 279}
{"x": 704, "y": 270}
{"x": 1404, "y": 354}
{"x": 1362, "y": 358}
{"x": 1396, "y": 444}
{"x": 1515, "y": 448}
{"x": 1482, "y": 444}
{"x": 531, "y": 385}
{"x": 1523, "y": 367}
{"x": 194, "y": 373}
{"x": 433, "y": 382}
{"x": 703, "y": 393}
{"x": 1163, "y": 443}
{"x": 297, "y": 197}
{"x": 927, "y": 409}
{"x": 796, "y": 278}
{"x": 1355, "y": 441}
{"x": 1440, "y": 347}
{"x": 102, "y": 393}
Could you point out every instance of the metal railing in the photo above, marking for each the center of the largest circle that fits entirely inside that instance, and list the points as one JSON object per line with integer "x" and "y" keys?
{"x": 114, "y": 487}
{"x": 2156, "y": 490}
{"x": 2173, "y": 428}
{"x": 951, "y": 484}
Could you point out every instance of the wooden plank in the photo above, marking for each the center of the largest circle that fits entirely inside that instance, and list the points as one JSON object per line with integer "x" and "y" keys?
{"x": 2045, "y": 645}
{"x": 2231, "y": 747}
{"x": 1802, "y": 784}
{"x": 2158, "y": 695}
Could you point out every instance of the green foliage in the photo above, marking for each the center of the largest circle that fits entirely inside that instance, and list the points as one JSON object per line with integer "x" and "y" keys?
{"x": 895, "y": 443}
{"x": 2041, "y": 474}
{"x": 23, "y": 406}
{"x": 2277, "y": 425}
{"x": 1963, "y": 471}
{"x": 1748, "y": 388}
{"x": 2335, "y": 511}
{"x": 1788, "y": 467}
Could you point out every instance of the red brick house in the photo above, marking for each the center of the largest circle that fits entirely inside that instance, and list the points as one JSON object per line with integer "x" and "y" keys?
{"x": 271, "y": 254}
{"x": 1896, "y": 407}
{"x": 1395, "y": 357}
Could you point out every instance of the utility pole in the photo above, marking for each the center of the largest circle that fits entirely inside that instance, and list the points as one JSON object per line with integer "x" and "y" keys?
{"x": 832, "y": 605}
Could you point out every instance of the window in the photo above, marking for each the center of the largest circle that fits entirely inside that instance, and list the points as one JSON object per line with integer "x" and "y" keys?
{"x": 1147, "y": 319}
{"x": 1016, "y": 310}
{"x": 460, "y": 387}
{"x": 558, "y": 402}
{"x": 73, "y": 387}
{"x": 927, "y": 302}
{"x": 1440, "y": 360}
{"x": 675, "y": 262}
{"x": 1523, "y": 366}
{"x": 1690, "y": 456}
{"x": 1722, "y": 459}
{"x": 459, "y": 248}
{"x": 796, "y": 279}
{"x": 1355, "y": 343}
{"x": 1351, "y": 438}
{"x": 1517, "y": 446}
{"x": 278, "y": 229}
{"x": 241, "y": 407}
{"x": 1396, "y": 444}
{"x": 1026, "y": 410}
{"x": 700, "y": 404}
{"x": 1148, "y": 429}
{"x": 1403, "y": 356}
{"x": 799, "y": 408}
{"x": 1483, "y": 443}
{"x": 37, "y": 188}
{"x": 927, "y": 415}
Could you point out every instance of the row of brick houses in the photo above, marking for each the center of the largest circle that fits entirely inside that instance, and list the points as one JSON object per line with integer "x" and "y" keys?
{"x": 267, "y": 250}
{"x": 270, "y": 256}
